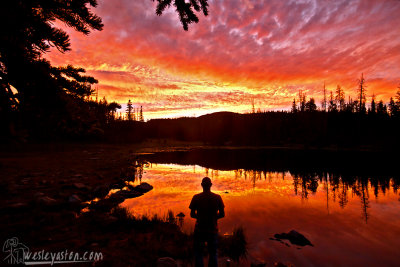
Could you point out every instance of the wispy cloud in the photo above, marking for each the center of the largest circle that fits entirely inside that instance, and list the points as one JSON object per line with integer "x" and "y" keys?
{"x": 244, "y": 50}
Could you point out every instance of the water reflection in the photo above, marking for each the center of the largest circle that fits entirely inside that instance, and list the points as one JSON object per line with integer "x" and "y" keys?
{"x": 344, "y": 212}
{"x": 337, "y": 188}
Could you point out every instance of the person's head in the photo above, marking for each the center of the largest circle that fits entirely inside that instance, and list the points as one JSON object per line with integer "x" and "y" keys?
{"x": 206, "y": 184}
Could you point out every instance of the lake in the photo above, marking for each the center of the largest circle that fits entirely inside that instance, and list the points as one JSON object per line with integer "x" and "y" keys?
{"x": 347, "y": 204}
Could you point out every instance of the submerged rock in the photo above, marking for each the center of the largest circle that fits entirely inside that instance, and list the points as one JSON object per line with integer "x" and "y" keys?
{"x": 294, "y": 237}
{"x": 127, "y": 194}
{"x": 118, "y": 197}
{"x": 144, "y": 187}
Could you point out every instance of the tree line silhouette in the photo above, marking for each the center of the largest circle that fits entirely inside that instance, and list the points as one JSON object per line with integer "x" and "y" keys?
{"x": 39, "y": 101}
{"x": 339, "y": 173}
{"x": 337, "y": 123}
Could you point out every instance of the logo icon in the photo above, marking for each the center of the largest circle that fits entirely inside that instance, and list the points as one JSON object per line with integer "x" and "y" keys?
{"x": 15, "y": 251}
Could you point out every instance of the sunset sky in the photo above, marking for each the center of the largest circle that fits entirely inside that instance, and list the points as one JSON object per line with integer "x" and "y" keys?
{"x": 242, "y": 51}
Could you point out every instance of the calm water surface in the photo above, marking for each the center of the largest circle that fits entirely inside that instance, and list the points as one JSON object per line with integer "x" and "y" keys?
{"x": 350, "y": 221}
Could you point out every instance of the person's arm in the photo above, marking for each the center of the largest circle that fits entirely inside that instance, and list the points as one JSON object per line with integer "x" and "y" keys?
{"x": 221, "y": 209}
{"x": 193, "y": 213}
{"x": 221, "y": 213}
{"x": 193, "y": 208}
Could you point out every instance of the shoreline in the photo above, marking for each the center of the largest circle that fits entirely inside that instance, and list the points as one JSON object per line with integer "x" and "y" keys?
{"x": 44, "y": 190}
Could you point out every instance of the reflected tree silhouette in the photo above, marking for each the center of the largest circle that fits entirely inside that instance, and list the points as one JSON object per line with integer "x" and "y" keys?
{"x": 339, "y": 177}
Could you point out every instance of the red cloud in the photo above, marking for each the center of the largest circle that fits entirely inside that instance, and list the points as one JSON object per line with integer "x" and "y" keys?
{"x": 245, "y": 45}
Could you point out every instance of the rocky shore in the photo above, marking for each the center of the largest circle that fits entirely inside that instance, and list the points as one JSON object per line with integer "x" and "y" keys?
{"x": 65, "y": 197}
{"x": 47, "y": 195}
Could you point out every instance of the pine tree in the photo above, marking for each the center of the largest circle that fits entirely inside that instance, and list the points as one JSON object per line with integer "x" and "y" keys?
{"x": 141, "y": 114}
{"x": 302, "y": 100}
{"x": 381, "y": 108}
{"x": 294, "y": 106}
{"x": 310, "y": 105}
{"x": 47, "y": 95}
{"x": 324, "y": 102}
{"x": 185, "y": 9}
{"x": 373, "y": 105}
{"x": 393, "y": 108}
{"x": 340, "y": 98}
{"x": 129, "y": 111}
{"x": 361, "y": 94}
{"x": 332, "y": 103}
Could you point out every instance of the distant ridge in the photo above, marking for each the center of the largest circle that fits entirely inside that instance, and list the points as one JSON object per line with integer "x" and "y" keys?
{"x": 205, "y": 116}
{"x": 219, "y": 114}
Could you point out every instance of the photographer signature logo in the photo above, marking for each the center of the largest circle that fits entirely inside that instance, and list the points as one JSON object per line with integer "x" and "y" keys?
{"x": 18, "y": 253}
{"x": 15, "y": 251}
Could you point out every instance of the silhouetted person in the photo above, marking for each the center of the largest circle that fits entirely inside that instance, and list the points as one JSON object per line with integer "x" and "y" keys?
{"x": 206, "y": 208}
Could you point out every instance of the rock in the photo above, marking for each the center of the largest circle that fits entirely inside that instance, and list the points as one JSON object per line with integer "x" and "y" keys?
{"x": 38, "y": 194}
{"x": 47, "y": 201}
{"x": 74, "y": 199}
{"x": 100, "y": 191}
{"x": 295, "y": 238}
{"x": 105, "y": 205}
{"x": 80, "y": 186}
{"x": 127, "y": 194}
{"x": 16, "y": 208}
{"x": 144, "y": 187}
{"x": 166, "y": 262}
{"x": 130, "y": 187}
{"x": 118, "y": 185}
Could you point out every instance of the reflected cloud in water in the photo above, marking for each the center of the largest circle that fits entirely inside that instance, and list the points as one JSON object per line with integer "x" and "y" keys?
{"x": 342, "y": 216}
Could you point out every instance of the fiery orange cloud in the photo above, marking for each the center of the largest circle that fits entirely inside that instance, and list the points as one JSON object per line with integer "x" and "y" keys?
{"x": 243, "y": 51}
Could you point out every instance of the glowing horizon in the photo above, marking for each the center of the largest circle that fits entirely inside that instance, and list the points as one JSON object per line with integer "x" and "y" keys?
{"x": 244, "y": 51}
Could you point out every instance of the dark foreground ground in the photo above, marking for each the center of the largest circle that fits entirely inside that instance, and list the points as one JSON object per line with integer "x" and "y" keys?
{"x": 44, "y": 188}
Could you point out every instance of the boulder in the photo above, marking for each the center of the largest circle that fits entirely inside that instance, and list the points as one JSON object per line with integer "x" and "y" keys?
{"x": 74, "y": 199}
{"x": 128, "y": 194}
{"x": 144, "y": 187}
{"x": 118, "y": 185}
{"x": 100, "y": 191}
{"x": 105, "y": 205}
{"x": 80, "y": 186}
{"x": 295, "y": 238}
{"x": 47, "y": 201}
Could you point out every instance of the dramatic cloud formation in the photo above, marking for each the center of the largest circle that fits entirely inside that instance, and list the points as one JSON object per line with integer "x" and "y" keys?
{"x": 244, "y": 51}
